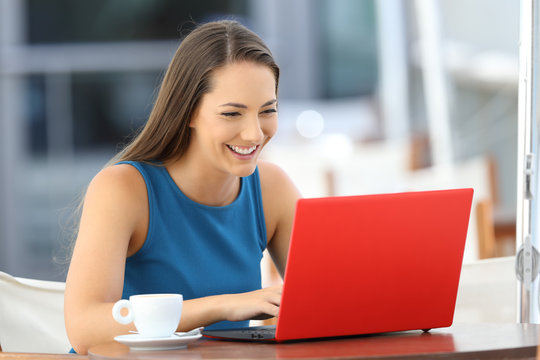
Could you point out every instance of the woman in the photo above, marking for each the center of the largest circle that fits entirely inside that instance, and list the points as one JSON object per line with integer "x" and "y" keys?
{"x": 187, "y": 207}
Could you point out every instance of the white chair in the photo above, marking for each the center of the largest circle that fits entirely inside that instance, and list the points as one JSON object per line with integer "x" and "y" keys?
{"x": 487, "y": 292}
{"x": 32, "y": 316}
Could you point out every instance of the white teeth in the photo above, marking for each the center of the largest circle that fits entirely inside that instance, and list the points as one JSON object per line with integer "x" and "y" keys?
{"x": 242, "y": 151}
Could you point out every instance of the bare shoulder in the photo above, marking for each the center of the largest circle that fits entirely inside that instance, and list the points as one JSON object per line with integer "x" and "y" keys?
{"x": 116, "y": 206}
{"x": 274, "y": 180}
{"x": 271, "y": 174}
{"x": 279, "y": 195}
{"x": 118, "y": 177}
{"x": 122, "y": 182}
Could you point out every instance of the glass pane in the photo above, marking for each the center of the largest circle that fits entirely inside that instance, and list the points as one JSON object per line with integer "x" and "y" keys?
{"x": 349, "y": 47}
{"x": 59, "y": 21}
{"x": 108, "y": 107}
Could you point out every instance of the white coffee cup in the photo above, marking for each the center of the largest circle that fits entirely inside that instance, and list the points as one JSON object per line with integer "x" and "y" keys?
{"x": 154, "y": 315}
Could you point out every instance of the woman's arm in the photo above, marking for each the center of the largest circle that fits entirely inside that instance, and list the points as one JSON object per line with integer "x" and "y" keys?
{"x": 279, "y": 201}
{"x": 113, "y": 210}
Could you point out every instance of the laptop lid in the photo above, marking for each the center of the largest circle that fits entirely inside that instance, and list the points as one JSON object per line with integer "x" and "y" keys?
{"x": 374, "y": 263}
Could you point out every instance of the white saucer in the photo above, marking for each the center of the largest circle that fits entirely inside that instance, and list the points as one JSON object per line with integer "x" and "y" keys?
{"x": 137, "y": 342}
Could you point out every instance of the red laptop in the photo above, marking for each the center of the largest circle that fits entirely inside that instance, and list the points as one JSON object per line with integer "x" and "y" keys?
{"x": 369, "y": 264}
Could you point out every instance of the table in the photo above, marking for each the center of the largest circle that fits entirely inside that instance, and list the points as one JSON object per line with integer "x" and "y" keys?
{"x": 461, "y": 341}
{"x": 34, "y": 356}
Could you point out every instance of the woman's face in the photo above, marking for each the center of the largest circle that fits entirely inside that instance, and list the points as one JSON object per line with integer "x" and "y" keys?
{"x": 236, "y": 119}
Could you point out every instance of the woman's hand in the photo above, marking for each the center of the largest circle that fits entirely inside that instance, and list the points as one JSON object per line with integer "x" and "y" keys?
{"x": 255, "y": 305}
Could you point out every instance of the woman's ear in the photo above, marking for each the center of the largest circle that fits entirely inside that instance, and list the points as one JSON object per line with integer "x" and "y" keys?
{"x": 193, "y": 118}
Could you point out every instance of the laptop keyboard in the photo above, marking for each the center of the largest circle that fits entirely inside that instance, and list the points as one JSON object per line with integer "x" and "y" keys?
{"x": 265, "y": 332}
{"x": 261, "y": 332}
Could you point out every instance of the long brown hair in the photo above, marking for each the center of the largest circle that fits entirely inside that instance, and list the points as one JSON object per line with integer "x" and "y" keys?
{"x": 166, "y": 134}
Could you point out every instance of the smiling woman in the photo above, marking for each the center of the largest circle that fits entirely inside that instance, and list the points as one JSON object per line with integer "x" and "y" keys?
{"x": 187, "y": 207}
{"x": 232, "y": 139}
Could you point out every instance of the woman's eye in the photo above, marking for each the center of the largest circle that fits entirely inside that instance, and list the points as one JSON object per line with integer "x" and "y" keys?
{"x": 231, "y": 114}
{"x": 269, "y": 111}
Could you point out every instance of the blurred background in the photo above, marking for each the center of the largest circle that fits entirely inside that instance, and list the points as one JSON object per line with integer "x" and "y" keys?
{"x": 375, "y": 96}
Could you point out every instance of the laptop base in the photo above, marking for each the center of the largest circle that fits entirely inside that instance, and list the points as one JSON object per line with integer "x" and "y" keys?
{"x": 251, "y": 333}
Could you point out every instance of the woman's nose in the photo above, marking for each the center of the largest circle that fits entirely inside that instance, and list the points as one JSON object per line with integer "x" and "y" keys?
{"x": 252, "y": 130}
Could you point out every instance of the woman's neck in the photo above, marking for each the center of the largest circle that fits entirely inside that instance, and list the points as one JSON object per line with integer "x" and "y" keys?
{"x": 202, "y": 184}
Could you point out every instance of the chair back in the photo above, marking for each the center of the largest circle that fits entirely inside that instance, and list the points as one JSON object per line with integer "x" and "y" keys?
{"x": 32, "y": 316}
{"x": 487, "y": 292}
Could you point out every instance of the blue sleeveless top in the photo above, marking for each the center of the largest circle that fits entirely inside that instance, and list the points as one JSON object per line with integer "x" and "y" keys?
{"x": 194, "y": 249}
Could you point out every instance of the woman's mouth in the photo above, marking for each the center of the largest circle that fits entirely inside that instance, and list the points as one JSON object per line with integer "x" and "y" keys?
{"x": 243, "y": 150}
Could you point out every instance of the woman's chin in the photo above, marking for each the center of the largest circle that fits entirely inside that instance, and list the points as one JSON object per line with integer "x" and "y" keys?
{"x": 244, "y": 170}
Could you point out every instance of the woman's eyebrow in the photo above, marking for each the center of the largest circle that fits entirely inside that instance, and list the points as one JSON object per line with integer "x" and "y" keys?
{"x": 238, "y": 105}
{"x": 235, "y": 105}
{"x": 270, "y": 102}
